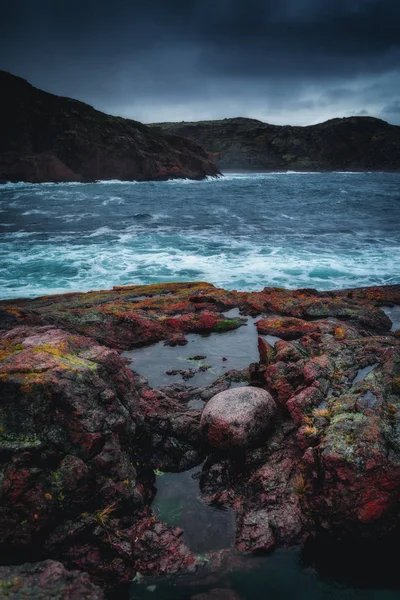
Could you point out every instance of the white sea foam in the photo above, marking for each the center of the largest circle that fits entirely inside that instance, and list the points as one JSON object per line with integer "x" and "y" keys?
{"x": 101, "y": 231}
{"x": 117, "y": 182}
{"x": 102, "y": 265}
{"x": 75, "y": 218}
{"x": 244, "y": 231}
{"x": 17, "y": 185}
{"x": 227, "y": 176}
{"x": 208, "y": 179}
{"x": 113, "y": 200}
{"x": 24, "y": 184}
{"x": 36, "y": 211}
{"x": 303, "y": 173}
{"x": 22, "y": 234}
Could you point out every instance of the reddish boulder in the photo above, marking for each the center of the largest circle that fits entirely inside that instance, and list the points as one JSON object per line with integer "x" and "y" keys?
{"x": 237, "y": 418}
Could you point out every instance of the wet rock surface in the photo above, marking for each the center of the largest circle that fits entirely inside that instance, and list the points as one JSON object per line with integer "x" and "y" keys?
{"x": 83, "y": 434}
{"x": 237, "y": 418}
{"x": 47, "y": 580}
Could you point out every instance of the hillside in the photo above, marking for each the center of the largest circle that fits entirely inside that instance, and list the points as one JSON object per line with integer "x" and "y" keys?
{"x": 350, "y": 144}
{"x": 51, "y": 138}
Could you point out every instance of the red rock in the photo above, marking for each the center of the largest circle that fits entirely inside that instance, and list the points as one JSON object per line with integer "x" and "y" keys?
{"x": 47, "y": 580}
{"x": 82, "y": 433}
{"x": 287, "y": 328}
{"x": 254, "y": 533}
{"x": 266, "y": 351}
{"x": 156, "y": 542}
{"x": 277, "y": 380}
{"x": 237, "y": 418}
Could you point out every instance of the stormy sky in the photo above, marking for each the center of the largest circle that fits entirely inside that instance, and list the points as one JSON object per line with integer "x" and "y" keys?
{"x": 281, "y": 61}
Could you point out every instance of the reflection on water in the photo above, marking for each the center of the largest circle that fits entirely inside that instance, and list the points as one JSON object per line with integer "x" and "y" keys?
{"x": 367, "y": 571}
{"x": 393, "y": 312}
{"x": 362, "y": 373}
{"x": 234, "y": 349}
{"x": 178, "y": 502}
{"x": 321, "y": 572}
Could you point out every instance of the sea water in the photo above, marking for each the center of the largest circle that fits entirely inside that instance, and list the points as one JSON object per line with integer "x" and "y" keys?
{"x": 243, "y": 231}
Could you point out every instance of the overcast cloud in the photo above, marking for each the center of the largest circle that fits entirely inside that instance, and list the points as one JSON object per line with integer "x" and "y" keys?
{"x": 286, "y": 62}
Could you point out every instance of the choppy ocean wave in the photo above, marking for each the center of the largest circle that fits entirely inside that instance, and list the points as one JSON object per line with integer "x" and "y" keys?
{"x": 243, "y": 231}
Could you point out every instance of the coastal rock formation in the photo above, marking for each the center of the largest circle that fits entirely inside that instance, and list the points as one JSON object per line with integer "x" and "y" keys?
{"x": 82, "y": 435}
{"x": 50, "y": 138}
{"x": 47, "y": 580}
{"x": 237, "y": 418}
{"x": 348, "y": 144}
{"x": 70, "y": 424}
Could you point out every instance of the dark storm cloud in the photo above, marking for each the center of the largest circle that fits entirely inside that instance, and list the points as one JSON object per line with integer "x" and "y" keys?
{"x": 294, "y": 61}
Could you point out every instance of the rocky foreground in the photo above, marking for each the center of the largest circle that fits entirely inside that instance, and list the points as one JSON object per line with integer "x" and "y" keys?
{"x": 47, "y": 138}
{"x": 317, "y": 453}
{"x": 349, "y": 144}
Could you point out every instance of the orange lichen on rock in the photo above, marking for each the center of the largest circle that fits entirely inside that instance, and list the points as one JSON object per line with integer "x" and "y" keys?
{"x": 81, "y": 432}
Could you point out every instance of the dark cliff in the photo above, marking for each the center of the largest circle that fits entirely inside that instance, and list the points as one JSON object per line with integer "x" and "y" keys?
{"x": 351, "y": 144}
{"x": 49, "y": 138}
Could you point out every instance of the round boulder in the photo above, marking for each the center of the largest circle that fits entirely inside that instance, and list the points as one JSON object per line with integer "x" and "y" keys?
{"x": 237, "y": 418}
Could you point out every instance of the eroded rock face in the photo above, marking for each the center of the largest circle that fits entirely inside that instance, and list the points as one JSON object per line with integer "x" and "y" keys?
{"x": 69, "y": 408}
{"x": 237, "y": 418}
{"x": 70, "y": 425}
{"x": 80, "y": 433}
{"x": 255, "y": 534}
{"x": 47, "y": 580}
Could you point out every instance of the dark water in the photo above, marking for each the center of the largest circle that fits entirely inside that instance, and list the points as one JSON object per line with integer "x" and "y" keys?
{"x": 393, "y": 312}
{"x": 320, "y": 573}
{"x": 323, "y": 230}
{"x": 218, "y": 352}
{"x": 178, "y": 502}
{"x": 322, "y": 570}
{"x": 327, "y": 231}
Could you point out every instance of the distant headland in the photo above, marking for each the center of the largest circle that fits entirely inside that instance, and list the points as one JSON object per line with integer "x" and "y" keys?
{"x": 51, "y": 138}
{"x": 48, "y": 138}
{"x": 349, "y": 144}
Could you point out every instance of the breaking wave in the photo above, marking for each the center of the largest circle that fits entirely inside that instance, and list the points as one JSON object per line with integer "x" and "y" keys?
{"x": 242, "y": 231}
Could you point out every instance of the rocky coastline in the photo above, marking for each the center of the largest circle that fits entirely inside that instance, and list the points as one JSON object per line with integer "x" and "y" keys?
{"x": 347, "y": 144}
{"x": 83, "y": 435}
{"x": 48, "y": 138}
